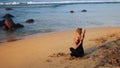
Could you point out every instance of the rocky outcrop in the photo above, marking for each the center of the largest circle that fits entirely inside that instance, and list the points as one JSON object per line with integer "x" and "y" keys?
{"x": 30, "y": 21}
{"x": 8, "y": 16}
{"x": 83, "y": 10}
{"x": 8, "y": 9}
{"x": 18, "y": 25}
{"x": 8, "y": 24}
{"x": 71, "y": 11}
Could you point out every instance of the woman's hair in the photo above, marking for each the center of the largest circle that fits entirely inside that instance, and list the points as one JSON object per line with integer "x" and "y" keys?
{"x": 79, "y": 30}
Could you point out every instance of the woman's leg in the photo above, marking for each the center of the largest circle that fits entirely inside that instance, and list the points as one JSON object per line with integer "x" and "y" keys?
{"x": 74, "y": 52}
{"x": 80, "y": 51}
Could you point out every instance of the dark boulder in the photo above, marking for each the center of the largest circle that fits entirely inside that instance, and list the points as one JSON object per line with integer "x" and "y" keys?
{"x": 71, "y": 11}
{"x": 8, "y": 16}
{"x": 30, "y": 21}
{"x": 8, "y": 8}
{"x": 18, "y": 25}
{"x": 84, "y": 10}
{"x": 1, "y": 23}
{"x": 9, "y": 25}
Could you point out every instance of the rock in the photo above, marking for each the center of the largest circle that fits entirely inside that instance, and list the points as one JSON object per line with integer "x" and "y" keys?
{"x": 8, "y": 8}
{"x": 1, "y": 23}
{"x": 8, "y": 16}
{"x": 30, "y": 21}
{"x": 113, "y": 61}
{"x": 18, "y": 25}
{"x": 83, "y": 10}
{"x": 71, "y": 11}
{"x": 8, "y": 24}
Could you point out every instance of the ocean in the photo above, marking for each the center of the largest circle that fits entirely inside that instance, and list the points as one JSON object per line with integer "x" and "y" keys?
{"x": 54, "y": 15}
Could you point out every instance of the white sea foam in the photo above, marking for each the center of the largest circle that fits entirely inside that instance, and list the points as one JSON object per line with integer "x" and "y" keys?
{"x": 60, "y": 2}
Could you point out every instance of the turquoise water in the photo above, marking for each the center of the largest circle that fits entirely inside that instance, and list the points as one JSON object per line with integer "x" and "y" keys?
{"x": 50, "y": 18}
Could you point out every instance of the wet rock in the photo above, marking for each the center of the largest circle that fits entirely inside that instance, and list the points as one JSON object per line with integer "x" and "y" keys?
{"x": 18, "y": 25}
{"x": 83, "y": 10}
{"x": 1, "y": 23}
{"x": 9, "y": 25}
{"x": 71, "y": 11}
{"x": 8, "y": 8}
{"x": 30, "y": 21}
{"x": 8, "y": 16}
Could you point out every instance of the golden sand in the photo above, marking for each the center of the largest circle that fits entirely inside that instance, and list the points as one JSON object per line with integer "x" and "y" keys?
{"x": 52, "y": 50}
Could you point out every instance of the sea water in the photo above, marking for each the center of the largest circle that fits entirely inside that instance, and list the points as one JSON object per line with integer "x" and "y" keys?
{"x": 51, "y": 16}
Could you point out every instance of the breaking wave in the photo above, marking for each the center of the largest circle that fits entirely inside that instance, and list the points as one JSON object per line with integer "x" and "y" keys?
{"x": 57, "y": 3}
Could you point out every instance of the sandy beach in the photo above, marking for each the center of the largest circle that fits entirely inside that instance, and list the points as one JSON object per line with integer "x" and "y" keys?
{"x": 52, "y": 50}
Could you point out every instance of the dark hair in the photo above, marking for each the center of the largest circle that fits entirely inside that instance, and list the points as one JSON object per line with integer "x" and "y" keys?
{"x": 79, "y": 30}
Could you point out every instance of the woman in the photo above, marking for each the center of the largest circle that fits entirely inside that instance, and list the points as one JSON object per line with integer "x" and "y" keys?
{"x": 78, "y": 51}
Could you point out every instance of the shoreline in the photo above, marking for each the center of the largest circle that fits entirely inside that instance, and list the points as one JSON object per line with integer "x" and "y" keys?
{"x": 52, "y": 50}
{"x": 44, "y": 34}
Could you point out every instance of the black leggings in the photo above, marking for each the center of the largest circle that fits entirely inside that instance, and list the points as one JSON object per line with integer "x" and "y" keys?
{"x": 78, "y": 52}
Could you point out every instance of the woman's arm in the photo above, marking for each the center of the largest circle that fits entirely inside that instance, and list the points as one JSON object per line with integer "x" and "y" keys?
{"x": 75, "y": 41}
{"x": 76, "y": 44}
{"x": 81, "y": 37}
{"x": 82, "y": 34}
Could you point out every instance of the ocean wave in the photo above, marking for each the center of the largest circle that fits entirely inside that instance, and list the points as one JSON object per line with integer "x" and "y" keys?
{"x": 57, "y": 3}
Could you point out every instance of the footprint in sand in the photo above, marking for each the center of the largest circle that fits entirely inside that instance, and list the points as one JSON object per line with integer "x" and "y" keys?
{"x": 59, "y": 55}
{"x": 48, "y": 60}
{"x": 67, "y": 66}
{"x": 100, "y": 40}
{"x": 104, "y": 39}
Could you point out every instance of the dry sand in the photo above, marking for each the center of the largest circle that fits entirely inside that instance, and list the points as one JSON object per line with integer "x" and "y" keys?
{"x": 52, "y": 50}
